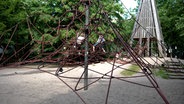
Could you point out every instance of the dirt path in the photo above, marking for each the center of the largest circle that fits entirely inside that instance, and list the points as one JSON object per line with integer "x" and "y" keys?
{"x": 30, "y": 86}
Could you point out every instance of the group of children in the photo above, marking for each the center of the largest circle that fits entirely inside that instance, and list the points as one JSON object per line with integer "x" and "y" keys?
{"x": 100, "y": 41}
{"x": 80, "y": 39}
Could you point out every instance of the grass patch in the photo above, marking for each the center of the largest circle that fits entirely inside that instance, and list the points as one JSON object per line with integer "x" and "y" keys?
{"x": 133, "y": 69}
{"x": 161, "y": 73}
{"x": 182, "y": 66}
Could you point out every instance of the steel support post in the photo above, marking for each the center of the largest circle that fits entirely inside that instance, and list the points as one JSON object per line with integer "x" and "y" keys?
{"x": 86, "y": 3}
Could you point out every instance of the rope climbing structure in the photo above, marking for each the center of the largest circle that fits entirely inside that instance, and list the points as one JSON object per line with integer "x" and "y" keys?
{"x": 74, "y": 48}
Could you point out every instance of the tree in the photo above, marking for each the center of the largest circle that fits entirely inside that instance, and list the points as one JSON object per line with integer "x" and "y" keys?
{"x": 172, "y": 22}
{"x": 54, "y": 21}
{"x": 12, "y": 30}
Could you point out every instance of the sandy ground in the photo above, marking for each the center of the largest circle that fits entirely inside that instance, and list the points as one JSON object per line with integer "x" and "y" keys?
{"x": 28, "y": 85}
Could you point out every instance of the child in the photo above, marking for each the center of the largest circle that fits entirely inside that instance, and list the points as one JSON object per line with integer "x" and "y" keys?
{"x": 100, "y": 40}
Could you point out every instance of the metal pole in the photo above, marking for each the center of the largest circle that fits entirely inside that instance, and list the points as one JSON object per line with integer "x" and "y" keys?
{"x": 86, "y": 45}
{"x": 139, "y": 62}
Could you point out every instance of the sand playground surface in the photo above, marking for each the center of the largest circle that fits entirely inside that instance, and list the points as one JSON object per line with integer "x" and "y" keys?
{"x": 28, "y": 85}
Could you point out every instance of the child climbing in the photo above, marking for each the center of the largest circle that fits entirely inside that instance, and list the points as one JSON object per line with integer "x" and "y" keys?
{"x": 100, "y": 41}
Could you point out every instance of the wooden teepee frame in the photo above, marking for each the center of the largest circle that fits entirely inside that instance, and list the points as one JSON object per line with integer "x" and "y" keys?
{"x": 147, "y": 28}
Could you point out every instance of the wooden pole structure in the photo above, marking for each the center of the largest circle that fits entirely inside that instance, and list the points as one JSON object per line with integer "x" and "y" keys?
{"x": 160, "y": 41}
{"x": 135, "y": 25}
{"x": 147, "y": 28}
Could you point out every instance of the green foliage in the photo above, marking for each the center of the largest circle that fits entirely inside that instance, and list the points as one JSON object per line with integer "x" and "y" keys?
{"x": 3, "y": 26}
{"x": 180, "y": 25}
{"x": 37, "y": 18}
{"x": 11, "y": 12}
{"x": 172, "y": 21}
